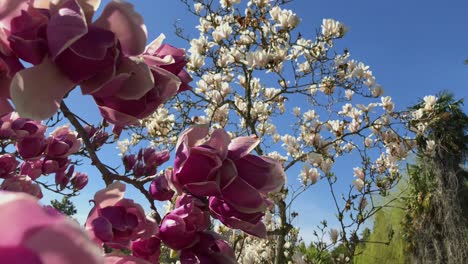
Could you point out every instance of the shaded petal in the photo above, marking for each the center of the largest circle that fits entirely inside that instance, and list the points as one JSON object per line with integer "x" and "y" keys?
{"x": 243, "y": 196}
{"x": 37, "y": 92}
{"x": 166, "y": 83}
{"x": 65, "y": 27}
{"x": 5, "y": 107}
{"x": 18, "y": 254}
{"x": 242, "y": 146}
{"x": 140, "y": 81}
{"x": 263, "y": 173}
{"x": 121, "y": 18}
{"x": 208, "y": 188}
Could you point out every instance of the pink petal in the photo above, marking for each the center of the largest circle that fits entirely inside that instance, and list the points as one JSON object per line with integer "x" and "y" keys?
{"x": 10, "y": 9}
{"x": 121, "y": 18}
{"x": 38, "y": 91}
{"x": 166, "y": 83}
{"x": 110, "y": 195}
{"x": 193, "y": 136}
{"x": 243, "y": 197}
{"x": 5, "y": 107}
{"x": 65, "y": 27}
{"x": 219, "y": 140}
{"x": 263, "y": 173}
{"x": 242, "y": 146}
{"x": 140, "y": 81}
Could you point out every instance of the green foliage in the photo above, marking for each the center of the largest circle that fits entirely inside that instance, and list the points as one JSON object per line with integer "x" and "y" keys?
{"x": 384, "y": 244}
{"x": 313, "y": 255}
{"x": 65, "y": 206}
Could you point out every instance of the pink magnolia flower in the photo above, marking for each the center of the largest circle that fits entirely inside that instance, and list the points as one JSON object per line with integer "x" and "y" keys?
{"x": 31, "y": 168}
{"x": 197, "y": 163}
{"x": 116, "y": 221}
{"x": 24, "y": 127}
{"x": 148, "y": 249}
{"x": 79, "y": 180}
{"x": 8, "y": 164}
{"x": 238, "y": 182}
{"x": 160, "y": 189}
{"x": 22, "y": 184}
{"x": 97, "y": 50}
{"x": 62, "y": 142}
{"x": 50, "y": 238}
{"x": 31, "y": 147}
{"x": 180, "y": 228}
{"x": 54, "y": 165}
{"x": 98, "y": 137}
{"x": 210, "y": 248}
{"x": 169, "y": 58}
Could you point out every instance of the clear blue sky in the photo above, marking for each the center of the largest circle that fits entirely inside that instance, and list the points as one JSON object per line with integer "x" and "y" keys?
{"x": 414, "y": 48}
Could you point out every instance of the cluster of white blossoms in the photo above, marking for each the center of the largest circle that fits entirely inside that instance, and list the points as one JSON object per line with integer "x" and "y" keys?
{"x": 160, "y": 126}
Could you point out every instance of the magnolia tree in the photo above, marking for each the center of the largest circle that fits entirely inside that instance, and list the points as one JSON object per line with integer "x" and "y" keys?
{"x": 228, "y": 200}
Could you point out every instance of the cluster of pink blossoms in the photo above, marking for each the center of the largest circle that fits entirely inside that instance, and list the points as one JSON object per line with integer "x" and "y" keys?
{"x": 39, "y": 155}
{"x": 106, "y": 57}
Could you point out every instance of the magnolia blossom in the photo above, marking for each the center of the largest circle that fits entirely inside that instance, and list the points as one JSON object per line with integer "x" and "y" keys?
{"x": 41, "y": 235}
{"x": 332, "y": 28}
{"x": 429, "y": 102}
{"x": 116, "y": 221}
{"x": 106, "y": 57}
{"x": 22, "y": 184}
{"x": 62, "y": 142}
{"x": 180, "y": 228}
{"x": 8, "y": 164}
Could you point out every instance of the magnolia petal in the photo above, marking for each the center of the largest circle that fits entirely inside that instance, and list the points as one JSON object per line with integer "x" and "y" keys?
{"x": 263, "y": 173}
{"x": 155, "y": 44}
{"x": 209, "y": 188}
{"x": 5, "y": 107}
{"x": 219, "y": 140}
{"x": 116, "y": 117}
{"x": 242, "y": 146}
{"x": 110, "y": 195}
{"x": 243, "y": 197}
{"x": 10, "y": 9}
{"x": 193, "y": 136}
{"x": 140, "y": 81}
{"x": 166, "y": 83}
{"x": 127, "y": 24}
{"x": 65, "y": 27}
{"x": 37, "y": 92}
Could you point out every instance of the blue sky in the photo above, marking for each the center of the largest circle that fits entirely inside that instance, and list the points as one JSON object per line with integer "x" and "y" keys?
{"x": 414, "y": 48}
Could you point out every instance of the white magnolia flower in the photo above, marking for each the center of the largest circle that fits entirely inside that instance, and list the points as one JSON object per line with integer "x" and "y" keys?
{"x": 332, "y": 28}
{"x": 359, "y": 184}
{"x": 359, "y": 173}
{"x": 222, "y": 31}
{"x": 198, "y": 7}
{"x": 429, "y": 102}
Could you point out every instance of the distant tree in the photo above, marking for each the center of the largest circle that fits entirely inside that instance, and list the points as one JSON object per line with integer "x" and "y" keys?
{"x": 65, "y": 206}
{"x": 435, "y": 223}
